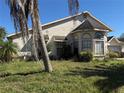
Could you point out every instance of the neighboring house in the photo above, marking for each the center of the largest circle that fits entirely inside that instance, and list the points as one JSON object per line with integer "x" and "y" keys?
{"x": 115, "y": 44}
{"x": 80, "y": 33}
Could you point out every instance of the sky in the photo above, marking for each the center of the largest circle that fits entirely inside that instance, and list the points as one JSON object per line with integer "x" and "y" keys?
{"x": 110, "y": 12}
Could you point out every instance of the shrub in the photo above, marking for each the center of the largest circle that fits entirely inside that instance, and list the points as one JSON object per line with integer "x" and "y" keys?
{"x": 122, "y": 55}
{"x": 86, "y": 56}
{"x": 7, "y": 51}
{"x": 114, "y": 54}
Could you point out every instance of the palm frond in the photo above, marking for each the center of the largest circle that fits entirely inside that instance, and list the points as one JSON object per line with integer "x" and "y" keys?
{"x": 19, "y": 11}
{"x": 73, "y": 6}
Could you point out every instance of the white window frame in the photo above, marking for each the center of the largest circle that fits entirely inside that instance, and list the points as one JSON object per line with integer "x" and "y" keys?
{"x": 102, "y": 51}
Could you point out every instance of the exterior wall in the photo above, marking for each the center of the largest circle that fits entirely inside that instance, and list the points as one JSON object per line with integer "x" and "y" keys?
{"x": 53, "y": 48}
{"x": 19, "y": 42}
{"x": 21, "y": 45}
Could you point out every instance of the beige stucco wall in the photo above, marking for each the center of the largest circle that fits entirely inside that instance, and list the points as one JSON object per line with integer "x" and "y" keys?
{"x": 19, "y": 42}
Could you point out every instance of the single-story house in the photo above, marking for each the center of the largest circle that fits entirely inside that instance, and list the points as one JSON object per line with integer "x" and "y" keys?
{"x": 80, "y": 33}
{"x": 114, "y": 44}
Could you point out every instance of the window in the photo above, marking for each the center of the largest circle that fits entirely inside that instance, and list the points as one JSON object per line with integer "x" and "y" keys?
{"x": 86, "y": 42}
{"x": 98, "y": 35}
{"x": 99, "y": 48}
{"x": 75, "y": 41}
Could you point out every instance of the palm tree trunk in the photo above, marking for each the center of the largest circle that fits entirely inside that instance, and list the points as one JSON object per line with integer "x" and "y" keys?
{"x": 47, "y": 64}
{"x": 40, "y": 36}
{"x": 34, "y": 48}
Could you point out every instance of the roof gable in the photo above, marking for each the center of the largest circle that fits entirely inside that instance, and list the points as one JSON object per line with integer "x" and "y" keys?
{"x": 114, "y": 39}
{"x": 85, "y": 25}
{"x": 90, "y": 22}
{"x": 97, "y": 23}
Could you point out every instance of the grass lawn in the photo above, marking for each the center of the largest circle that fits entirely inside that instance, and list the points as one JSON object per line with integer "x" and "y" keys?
{"x": 68, "y": 77}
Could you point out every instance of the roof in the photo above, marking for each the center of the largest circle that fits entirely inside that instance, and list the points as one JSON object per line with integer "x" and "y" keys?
{"x": 85, "y": 14}
{"x": 89, "y": 14}
{"x": 85, "y": 25}
{"x": 109, "y": 38}
{"x": 48, "y": 24}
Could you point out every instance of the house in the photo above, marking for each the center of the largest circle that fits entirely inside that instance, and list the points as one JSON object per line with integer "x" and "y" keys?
{"x": 115, "y": 44}
{"x": 79, "y": 33}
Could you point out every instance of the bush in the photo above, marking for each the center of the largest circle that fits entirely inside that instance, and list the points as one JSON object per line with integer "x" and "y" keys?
{"x": 86, "y": 56}
{"x": 7, "y": 51}
{"x": 114, "y": 54}
{"x": 122, "y": 55}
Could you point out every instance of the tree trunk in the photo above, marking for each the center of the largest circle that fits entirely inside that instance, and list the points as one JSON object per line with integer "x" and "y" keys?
{"x": 47, "y": 64}
{"x": 40, "y": 36}
{"x": 34, "y": 47}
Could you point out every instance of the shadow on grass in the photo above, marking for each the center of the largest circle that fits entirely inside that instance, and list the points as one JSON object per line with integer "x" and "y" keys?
{"x": 113, "y": 76}
{"x": 7, "y": 74}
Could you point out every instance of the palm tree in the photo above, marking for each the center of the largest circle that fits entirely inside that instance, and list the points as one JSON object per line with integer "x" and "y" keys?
{"x": 2, "y": 36}
{"x": 2, "y": 33}
{"x": 7, "y": 50}
{"x": 73, "y": 7}
{"x": 40, "y": 38}
{"x": 20, "y": 10}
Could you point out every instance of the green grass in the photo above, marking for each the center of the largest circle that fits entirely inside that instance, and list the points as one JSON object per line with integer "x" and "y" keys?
{"x": 67, "y": 77}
